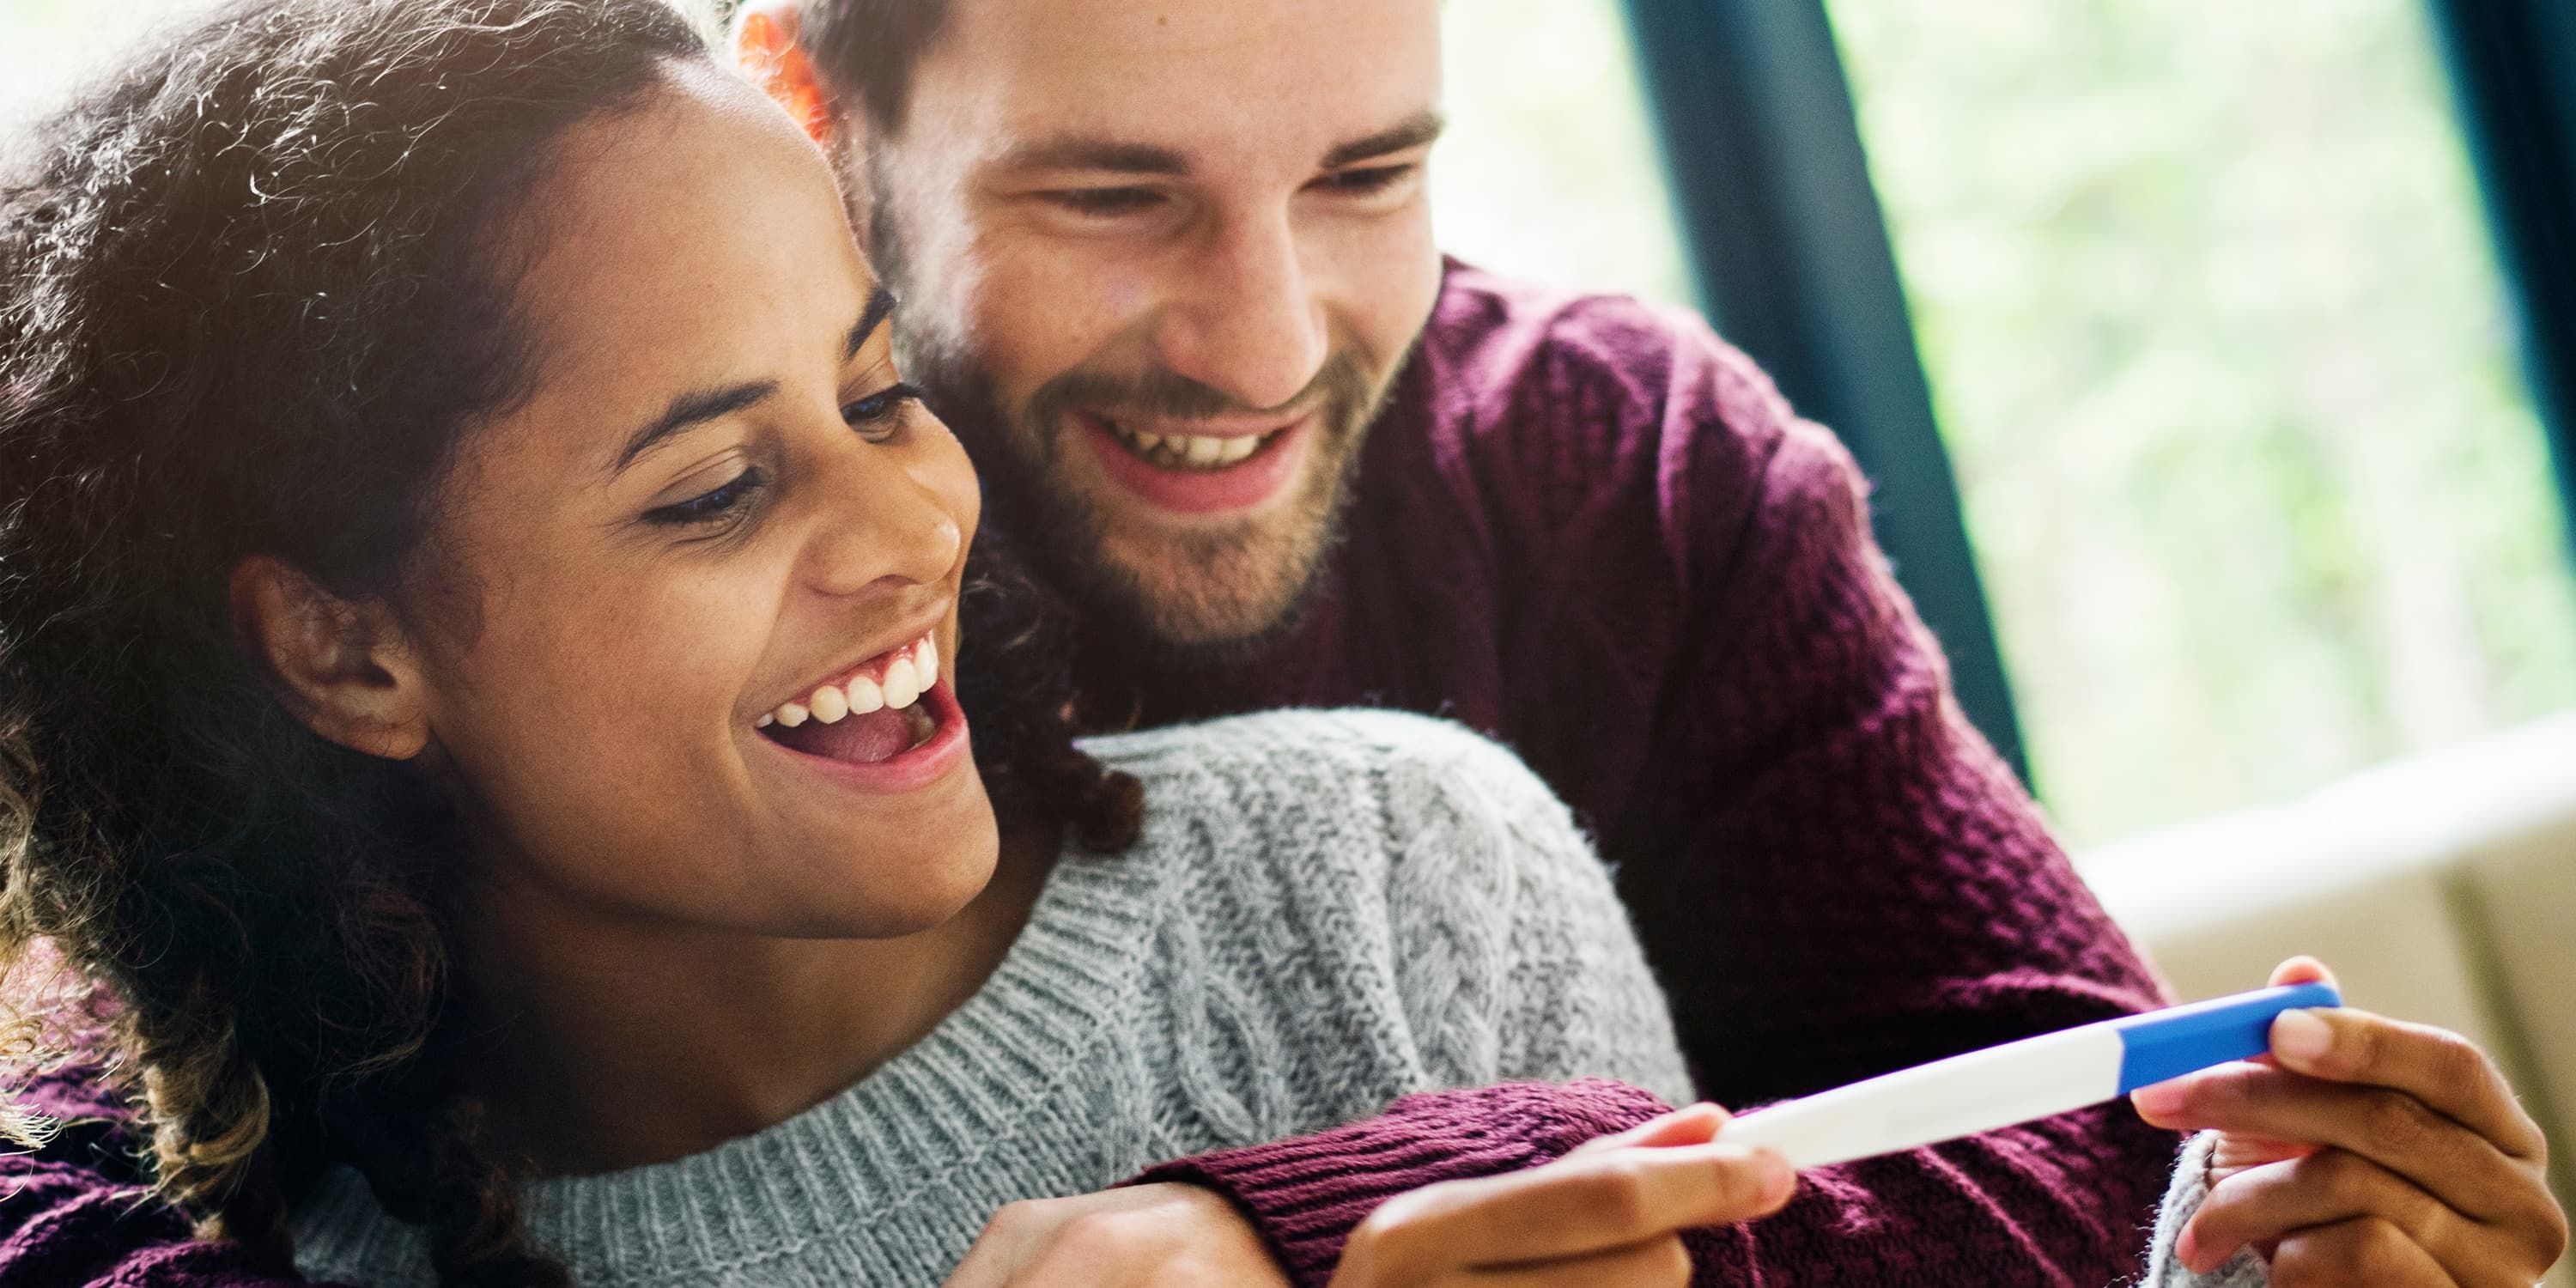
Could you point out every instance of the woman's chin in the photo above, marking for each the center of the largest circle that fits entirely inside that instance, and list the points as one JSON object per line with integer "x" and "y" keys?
{"x": 892, "y": 891}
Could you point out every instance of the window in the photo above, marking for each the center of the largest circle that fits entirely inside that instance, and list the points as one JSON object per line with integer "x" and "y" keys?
{"x": 1549, "y": 170}
{"x": 2227, "y": 375}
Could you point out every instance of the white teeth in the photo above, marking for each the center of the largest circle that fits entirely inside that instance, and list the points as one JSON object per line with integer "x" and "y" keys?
{"x": 902, "y": 683}
{"x": 1197, "y": 451}
{"x": 865, "y": 696}
{"x": 907, "y": 677}
{"x": 829, "y": 704}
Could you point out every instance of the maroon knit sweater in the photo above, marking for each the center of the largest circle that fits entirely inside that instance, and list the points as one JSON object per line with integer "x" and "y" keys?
{"x": 1596, "y": 532}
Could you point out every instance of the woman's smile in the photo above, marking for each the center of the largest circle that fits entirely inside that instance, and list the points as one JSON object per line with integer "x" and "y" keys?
{"x": 890, "y": 724}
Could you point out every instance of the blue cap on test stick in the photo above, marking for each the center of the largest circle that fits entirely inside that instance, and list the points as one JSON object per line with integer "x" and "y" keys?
{"x": 2162, "y": 1045}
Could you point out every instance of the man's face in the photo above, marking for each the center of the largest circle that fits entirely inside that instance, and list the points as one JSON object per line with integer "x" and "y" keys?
{"x": 1160, "y": 262}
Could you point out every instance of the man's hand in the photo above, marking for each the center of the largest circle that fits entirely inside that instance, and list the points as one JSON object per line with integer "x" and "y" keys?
{"x": 2366, "y": 1151}
{"x": 1142, "y": 1236}
{"x": 1611, "y": 1212}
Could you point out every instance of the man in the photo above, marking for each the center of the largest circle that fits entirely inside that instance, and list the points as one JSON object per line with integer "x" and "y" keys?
{"x": 1167, "y": 268}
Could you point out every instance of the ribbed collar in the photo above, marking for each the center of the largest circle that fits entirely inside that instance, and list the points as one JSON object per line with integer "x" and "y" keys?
{"x": 860, "y": 1158}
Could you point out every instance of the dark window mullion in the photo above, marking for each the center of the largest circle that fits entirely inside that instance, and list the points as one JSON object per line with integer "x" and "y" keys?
{"x": 2513, "y": 73}
{"x": 1795, "y": 267}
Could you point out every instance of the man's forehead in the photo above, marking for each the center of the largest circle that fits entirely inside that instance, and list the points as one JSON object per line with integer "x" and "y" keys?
{"x": 1184, "y": 78}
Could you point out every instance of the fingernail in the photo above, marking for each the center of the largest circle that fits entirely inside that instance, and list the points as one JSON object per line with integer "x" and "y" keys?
{"x": 2158, "y": 1100}
{"x": 1777, "y": 1179}
{"x": 2301, "y": 1036}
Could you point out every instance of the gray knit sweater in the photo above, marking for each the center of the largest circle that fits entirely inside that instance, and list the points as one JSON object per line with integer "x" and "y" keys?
{"x": 1327, "y": 911}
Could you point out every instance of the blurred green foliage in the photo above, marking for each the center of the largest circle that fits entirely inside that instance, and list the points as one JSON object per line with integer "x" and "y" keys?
{"x": 2218, "y": 346}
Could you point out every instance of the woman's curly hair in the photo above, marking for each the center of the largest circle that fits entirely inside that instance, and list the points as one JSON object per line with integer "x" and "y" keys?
{"x": 246, "y": 308}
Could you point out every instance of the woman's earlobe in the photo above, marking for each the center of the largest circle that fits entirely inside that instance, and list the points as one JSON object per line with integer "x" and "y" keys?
{"x": 344, "y": 668}
{"x": 767, "y": 49}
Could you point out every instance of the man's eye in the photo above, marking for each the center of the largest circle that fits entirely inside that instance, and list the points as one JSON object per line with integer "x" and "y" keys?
{"x": 720, "y": 505}
{"x": 876, "y": 413}
{"x": 1106, "y": 201}
{"x": 1360, "y": 183}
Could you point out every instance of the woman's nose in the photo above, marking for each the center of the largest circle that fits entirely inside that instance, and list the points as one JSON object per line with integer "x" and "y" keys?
{"x": 890, "y": 523}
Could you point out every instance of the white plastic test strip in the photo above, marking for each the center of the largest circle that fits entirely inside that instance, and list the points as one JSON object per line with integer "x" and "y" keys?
{"x": 2020, "y": 1081}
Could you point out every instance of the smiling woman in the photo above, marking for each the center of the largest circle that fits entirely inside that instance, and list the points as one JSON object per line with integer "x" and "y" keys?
{"x": 475, "y": 710}
{"x": 427, "y": 741}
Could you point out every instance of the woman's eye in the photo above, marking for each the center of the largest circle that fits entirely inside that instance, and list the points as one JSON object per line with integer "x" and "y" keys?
{"x": 877, "y": 413}
{"x": 719, "y": 505}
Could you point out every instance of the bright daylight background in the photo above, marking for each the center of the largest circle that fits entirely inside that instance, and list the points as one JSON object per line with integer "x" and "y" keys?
{"x": 2215, "y": 342}
{"x": 2212, "y": 331}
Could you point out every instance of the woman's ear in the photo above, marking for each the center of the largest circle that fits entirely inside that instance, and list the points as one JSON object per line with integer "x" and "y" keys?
{"x": 347, "y": 669}
{"x": 766, "y": 48}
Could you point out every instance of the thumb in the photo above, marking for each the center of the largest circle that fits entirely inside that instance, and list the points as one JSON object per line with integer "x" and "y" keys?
{"x": 2302, "y": 969}
{"x": 1689, "y": 1125}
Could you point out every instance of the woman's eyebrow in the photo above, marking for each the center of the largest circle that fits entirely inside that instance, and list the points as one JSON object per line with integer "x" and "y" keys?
{"x": 702, "y": 405}
{"x": 693, "y": 408}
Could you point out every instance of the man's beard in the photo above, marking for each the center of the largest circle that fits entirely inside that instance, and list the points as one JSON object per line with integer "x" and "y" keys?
{"x": 1240, "y": 590}
{"x": 1227, "y": 595}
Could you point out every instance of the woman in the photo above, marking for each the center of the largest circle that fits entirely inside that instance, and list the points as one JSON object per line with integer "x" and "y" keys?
{"x": 478, "y": 696}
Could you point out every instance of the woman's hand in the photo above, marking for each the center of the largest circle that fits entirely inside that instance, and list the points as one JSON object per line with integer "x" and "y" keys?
{"x": 2366, "y": 1151}
{"x": 1138, "y": 1236}
{"x": 1611, "y": 1212}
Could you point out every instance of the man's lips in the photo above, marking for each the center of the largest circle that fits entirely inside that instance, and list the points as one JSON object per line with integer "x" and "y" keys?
{"x": 1216, "y": 467}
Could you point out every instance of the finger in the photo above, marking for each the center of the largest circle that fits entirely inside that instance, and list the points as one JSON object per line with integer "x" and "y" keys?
{"x": 2275, "y": 1200}
{"x": 1577, "y": 1206}
{"x": 2365, "y": 1250}
{"x": 1689, "y": 1125}
{"x": 2436, "y": 1066}
{"x": 2303, "y": 969}
{"x": 2235, "y": 1152}
{"x": 2391, "y": 1128}
{"x": 1655, "y": 1262}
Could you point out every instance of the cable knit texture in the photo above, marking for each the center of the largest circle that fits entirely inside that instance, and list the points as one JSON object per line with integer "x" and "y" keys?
{"x": 1328, "y": 911}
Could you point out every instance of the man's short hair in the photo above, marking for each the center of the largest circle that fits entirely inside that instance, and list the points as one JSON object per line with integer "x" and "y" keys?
{"x": 868, "y": 49}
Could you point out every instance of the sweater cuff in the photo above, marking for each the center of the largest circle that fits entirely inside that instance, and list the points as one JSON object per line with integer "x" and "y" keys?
{"x": 2189, "y": 1189}
{"x": 1307, "y": 1194}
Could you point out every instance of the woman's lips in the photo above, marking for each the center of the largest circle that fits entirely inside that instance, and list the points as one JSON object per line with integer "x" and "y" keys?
{"x": 849, "y": 755}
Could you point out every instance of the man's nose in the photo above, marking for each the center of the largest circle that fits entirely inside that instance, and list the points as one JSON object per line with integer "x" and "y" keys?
{"x": 1250, "y": 321}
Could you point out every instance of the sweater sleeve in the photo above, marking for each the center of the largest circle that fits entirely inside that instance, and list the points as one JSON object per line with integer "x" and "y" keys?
{"x": 76, "y": 1212}
{"x": 1306, "y": 1195}
{"x": 1836, "y": 877}
{"x": 1513, "y": 955}
{"x": 2189, "y": 1188}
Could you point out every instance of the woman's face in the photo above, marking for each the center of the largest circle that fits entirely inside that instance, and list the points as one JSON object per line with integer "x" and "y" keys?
{"x": 717, "y": 514}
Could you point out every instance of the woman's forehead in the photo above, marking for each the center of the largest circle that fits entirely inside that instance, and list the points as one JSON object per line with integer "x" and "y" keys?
{"x": 698, "y": 238}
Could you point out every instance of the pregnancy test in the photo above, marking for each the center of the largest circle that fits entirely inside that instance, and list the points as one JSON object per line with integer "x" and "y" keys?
{"x": 2017, "y": 1082}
